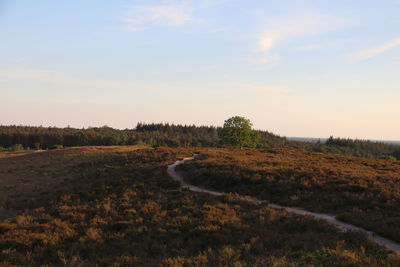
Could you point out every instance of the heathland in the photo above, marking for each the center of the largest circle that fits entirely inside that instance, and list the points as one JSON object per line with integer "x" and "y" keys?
{"x": 117, "y": 206}
{"x": 364, "y": 192}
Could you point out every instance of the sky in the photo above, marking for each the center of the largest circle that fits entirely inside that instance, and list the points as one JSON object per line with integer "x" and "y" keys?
{"x": 305, "y": 68}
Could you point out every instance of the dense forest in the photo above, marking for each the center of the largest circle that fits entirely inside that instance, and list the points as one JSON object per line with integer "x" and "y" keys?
{"x": 152, "y": 134}
{"x": 169, "y": 135}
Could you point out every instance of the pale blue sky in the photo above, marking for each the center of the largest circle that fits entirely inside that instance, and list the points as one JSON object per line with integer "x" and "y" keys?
{"x": 297, "y": 68}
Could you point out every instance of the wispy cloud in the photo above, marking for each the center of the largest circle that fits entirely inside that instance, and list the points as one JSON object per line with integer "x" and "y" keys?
{"x": 270, "y": 90}
{"x": 375, "y": 51}
{"x": 255, "y": 88}
{"x": 26, "y": 74}
{"x": 140, "y": 17}
{"x": 308, "y": 48}
{"x": 266, "y": 60}
{"x": 60, "y": 78}
{"x": 211, "y": 3}
{"x": 279, "y": 30}
{"x": 197, "y": 69}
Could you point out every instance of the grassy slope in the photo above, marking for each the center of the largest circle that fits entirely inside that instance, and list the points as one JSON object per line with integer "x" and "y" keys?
{"x": 365, "y": 192}
{"x": 26, "y": 180}
{"x": 121, "y": 209}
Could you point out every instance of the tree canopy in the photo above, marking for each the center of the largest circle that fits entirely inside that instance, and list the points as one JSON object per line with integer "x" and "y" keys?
{"x": 237, "y": 132}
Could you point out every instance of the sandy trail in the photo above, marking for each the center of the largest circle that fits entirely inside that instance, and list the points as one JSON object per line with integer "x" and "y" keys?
{"x": 389, "y": 244}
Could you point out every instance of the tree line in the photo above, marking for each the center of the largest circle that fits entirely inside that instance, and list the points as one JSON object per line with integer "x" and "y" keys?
{"x": 364, "y": 148}
{"x": 170, "y": 135}
{"x": 153, "y": 134}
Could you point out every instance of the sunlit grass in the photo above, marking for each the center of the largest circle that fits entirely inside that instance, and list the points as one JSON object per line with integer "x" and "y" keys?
{"x": 122, "y": 209}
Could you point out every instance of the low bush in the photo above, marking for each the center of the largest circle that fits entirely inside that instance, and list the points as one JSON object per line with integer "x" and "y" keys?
{"x": 365, "y": 192}
{"x": 122, "y": 209}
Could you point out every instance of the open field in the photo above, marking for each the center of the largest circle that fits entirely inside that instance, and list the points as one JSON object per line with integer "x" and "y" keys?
{"x": 27, "y": 179}
{"x": 112, "y": 207}
{"x": 364, "y": 192}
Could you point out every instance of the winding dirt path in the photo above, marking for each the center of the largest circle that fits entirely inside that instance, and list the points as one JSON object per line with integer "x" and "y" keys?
{"x": 389, "y": 244}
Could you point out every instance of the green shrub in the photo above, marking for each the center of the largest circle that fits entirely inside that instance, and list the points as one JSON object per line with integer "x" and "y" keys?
{"x": 36, "y": 146}
{"x": 16, "y": 147}
{"x": 387, "y": 157}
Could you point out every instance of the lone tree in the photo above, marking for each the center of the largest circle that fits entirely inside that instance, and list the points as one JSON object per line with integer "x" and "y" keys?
{"x": 237, "y": 132}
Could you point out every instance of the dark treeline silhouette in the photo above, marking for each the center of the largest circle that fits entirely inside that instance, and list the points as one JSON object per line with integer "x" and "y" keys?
{"x": 151, "y": 134}
{"x": 364, "y": 148}
{"x": 47, "y": 138}
{"x": 159, "y": 134}
{"x": 352, "y": 147}
{"x": 164, "y": 134}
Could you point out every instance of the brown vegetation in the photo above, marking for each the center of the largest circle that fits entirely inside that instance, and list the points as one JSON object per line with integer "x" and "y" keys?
{"x": 33, "y": 176}
{"x": 122, "y": 209}
{"x": 365, "y": 192}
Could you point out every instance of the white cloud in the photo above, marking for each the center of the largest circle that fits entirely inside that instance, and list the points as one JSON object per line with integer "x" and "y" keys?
{"x": 140, "y": 17}
{"x": 283, "y": 29}
{"x": 270, "y": 90}
{"x": 375, "y": 51}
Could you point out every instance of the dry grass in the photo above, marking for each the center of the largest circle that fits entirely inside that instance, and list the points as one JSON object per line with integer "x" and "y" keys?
{"x": 122, "y": 209}
{"x": 365, "y": 192}
{"x": 17, "y": 154}
{"x": 29, "y": 177}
